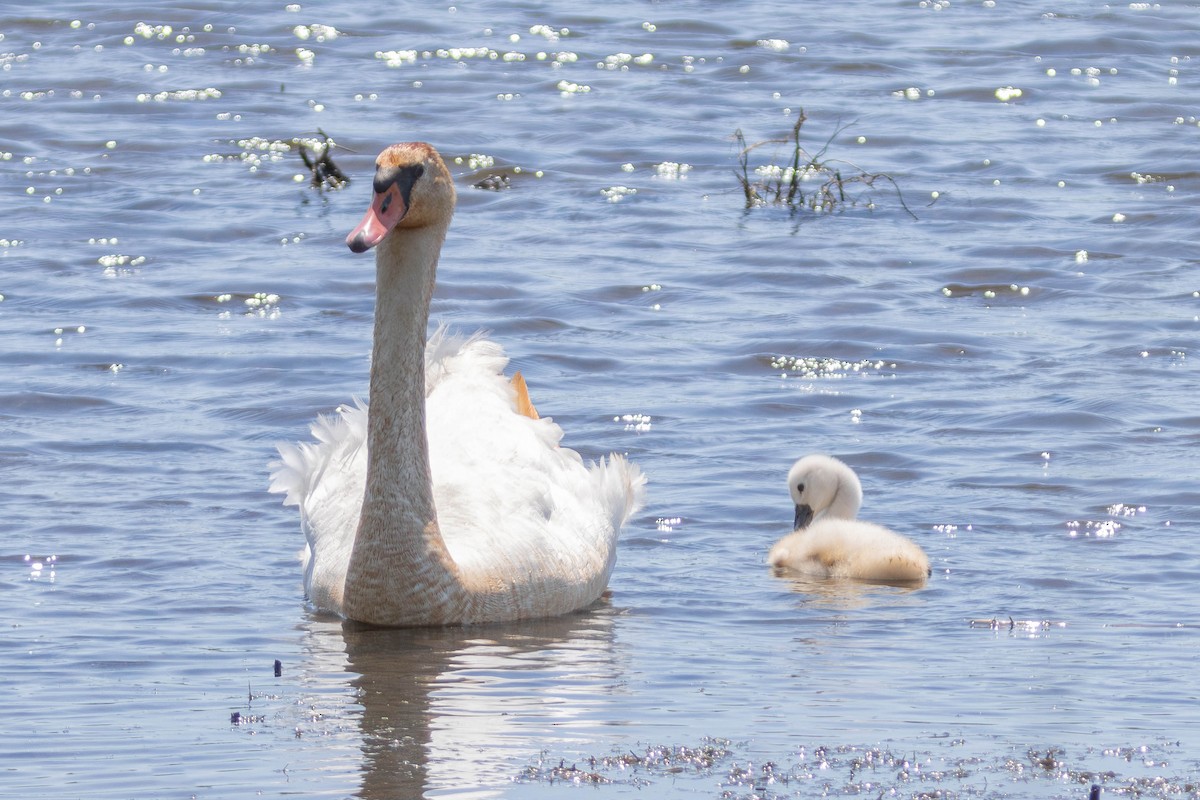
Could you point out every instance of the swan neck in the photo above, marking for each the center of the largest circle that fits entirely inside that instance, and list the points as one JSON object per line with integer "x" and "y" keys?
{"x": 400, "y": 571}
{"x": 405, "y": 270}
{"x": 847, "y": 500}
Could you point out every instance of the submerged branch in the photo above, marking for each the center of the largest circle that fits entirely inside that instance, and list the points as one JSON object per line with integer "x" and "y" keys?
{"x": 316, "y": 156}
{"x": 773, "y": 185}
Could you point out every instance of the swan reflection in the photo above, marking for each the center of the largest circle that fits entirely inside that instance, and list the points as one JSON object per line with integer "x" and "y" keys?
{"x": 844, "y": 594}
{"x": 461, "y": 709}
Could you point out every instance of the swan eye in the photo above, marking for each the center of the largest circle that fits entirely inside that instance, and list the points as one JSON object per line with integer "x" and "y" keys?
{"x": 799, "y": 488}
{"x": 402, "y": 178}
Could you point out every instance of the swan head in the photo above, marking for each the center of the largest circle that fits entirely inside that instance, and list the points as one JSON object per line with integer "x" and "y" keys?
{"x": 412, "y": 189}
{"x": 821, "y": 485}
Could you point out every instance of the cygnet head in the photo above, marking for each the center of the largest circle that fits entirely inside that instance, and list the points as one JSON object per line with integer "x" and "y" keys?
{"x": 823, "y": 486}
{"x": 412, "y": 189}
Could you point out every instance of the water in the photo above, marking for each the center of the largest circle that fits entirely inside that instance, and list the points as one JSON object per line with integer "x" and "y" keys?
{"x": 1011, "y": 373}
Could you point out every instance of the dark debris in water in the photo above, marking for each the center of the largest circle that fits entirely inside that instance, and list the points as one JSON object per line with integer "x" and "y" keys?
{"x": 880, "y": 772}
{"x": 316, "y": 155}
{"x": 493, "y": 183}
{"x": 634, "y": 768}
{"x": 563, "y": 774}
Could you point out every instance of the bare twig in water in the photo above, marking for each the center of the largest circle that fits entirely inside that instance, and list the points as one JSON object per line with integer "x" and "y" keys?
{"x": 316, "y": 156}
{"x": 774, "y": 185}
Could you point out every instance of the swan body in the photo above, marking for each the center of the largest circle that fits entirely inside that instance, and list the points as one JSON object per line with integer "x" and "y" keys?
{"x": 447, "y": 501}
{"x": 828, "y": 541}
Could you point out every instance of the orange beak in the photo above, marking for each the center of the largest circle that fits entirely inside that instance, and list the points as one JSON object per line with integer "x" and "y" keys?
{"x": 386, "y": 211}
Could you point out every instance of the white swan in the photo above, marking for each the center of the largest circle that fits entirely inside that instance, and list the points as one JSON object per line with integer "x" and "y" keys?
{"x": 449, "y": 502}
{"x": 829, "y": 542}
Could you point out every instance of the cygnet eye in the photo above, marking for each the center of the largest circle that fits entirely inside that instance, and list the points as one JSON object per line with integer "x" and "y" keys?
{"x": 799, "y": 488}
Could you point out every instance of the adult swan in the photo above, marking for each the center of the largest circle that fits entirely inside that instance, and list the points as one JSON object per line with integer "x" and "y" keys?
{"x": 448, "y": 502}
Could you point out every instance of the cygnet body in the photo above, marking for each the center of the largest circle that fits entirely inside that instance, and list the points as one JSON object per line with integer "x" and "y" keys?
{"x": 828, "y": 541}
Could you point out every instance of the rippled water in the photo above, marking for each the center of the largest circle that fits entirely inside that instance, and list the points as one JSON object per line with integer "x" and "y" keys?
{"x": 1010, "y": 369}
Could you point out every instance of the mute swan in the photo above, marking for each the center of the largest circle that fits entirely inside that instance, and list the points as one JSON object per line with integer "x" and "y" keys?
{"x": 829, "y": 542}
{"x": 449, "y": 501}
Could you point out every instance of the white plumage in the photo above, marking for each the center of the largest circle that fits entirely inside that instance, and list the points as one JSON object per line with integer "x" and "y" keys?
{"x": 829, "y": 542}
{"x": 470, "y": 510}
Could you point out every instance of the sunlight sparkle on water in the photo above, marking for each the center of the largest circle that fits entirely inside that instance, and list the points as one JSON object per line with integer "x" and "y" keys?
{"x": 41, "y": 567}
{"x": 667, "y": 524}
{"x": 1103, "y": 529}
{"x": 317, "y": 32}
{"x": 476, "y": 161}
{"x": 260, "y": 304}
{"x": 256, "y": 151}
{"x": 548, "y": 33}
{"x": 621, "y": 61}
{"x": 615, "y": 194}
{"x": 637, "y": 423}
{"x": 813, "y": 367}
{"x": 147, "y": 31}
{"x": 785, "y": 174}
{"x": 180, "y": 94}
{"x": 672, "y": 170}
{"x": 778, "y": 45}
{"x": 567, "y": 88}
{"x": 117, "y": 264}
